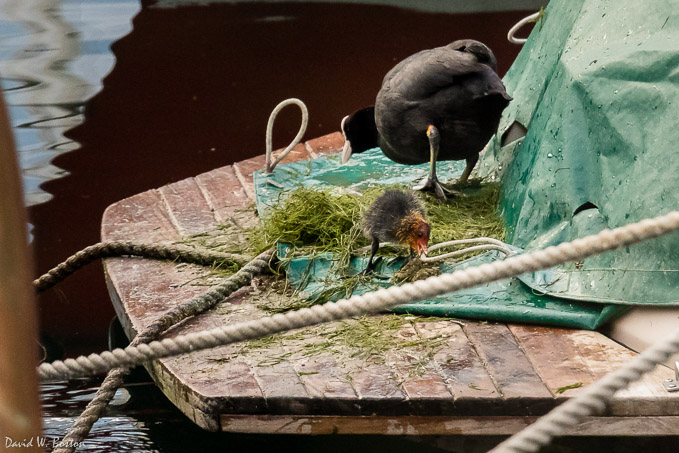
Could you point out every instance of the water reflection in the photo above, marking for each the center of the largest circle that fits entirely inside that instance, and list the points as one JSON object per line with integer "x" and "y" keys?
{"x": 125, "y": 425}
{"x": 53, "y": 57}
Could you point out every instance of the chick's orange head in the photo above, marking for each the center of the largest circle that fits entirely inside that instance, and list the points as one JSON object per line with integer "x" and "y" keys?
{"x": 414, "y": 231}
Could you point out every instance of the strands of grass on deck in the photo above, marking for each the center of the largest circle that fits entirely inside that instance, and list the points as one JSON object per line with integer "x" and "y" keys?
{"x": 366, "y": 338}
{"x": 569, "y": 387}
{"x": 227, "y": 238}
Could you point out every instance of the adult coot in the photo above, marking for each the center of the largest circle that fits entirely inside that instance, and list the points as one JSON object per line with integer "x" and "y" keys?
{"x": 439, "y": 104}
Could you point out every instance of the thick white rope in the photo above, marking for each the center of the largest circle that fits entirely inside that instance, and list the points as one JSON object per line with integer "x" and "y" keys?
{"x": 270, "y": 162}
{"x": 591, "y": 401}
{"x": 377, "y": 301}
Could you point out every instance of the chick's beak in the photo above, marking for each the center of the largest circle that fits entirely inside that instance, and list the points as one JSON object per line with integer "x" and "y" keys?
{"x": 419, "y": 246}
{"x": 346, "y": 151}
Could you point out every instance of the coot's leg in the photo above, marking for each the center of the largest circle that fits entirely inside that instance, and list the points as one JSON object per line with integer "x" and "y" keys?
{"x": 373, "y": 250}
{"x": 432, "y": 183}
{"x": 471, "y": 162}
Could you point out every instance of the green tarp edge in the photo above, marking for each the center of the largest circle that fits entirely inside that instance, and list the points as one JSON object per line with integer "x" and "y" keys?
{"x": 597, "y": 88}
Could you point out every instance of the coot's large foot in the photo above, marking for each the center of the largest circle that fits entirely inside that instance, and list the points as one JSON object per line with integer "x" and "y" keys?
{"x": 433, "y": 185}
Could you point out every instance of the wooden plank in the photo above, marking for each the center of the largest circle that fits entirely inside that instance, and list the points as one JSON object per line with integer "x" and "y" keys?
{"x": 248, "y": 167}
{"x": 223, "y": 192}
{"x": 563, "y": 357}
{"x": 149, "y": 289}
{"x": 187, "y": 207}
{"x": 327, "y": 144}
{"x": 244, "y": 171}
{"x": 439, "y": 425}
{"x": 325, "y": 379}
{"x": 463, "y": 369}
{"x": 183, "y": 398}
{"x": 215, "y": 380}
{"x": 555, "y": 356}
{"x": 423, "y": 385}
{"x": 647, "y": 396}
{"x": 377, "y": 387}
{"x": 281, "y": 386}
{"x": 146, "y": 288}
{"x": 142, "y": 217}
{"x": 514, "y": 376}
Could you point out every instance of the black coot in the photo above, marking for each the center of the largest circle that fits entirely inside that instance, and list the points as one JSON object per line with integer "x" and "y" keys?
{"x": 439, "y": 104}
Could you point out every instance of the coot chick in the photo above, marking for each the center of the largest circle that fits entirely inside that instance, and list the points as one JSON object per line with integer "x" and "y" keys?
{"x": 396, "y": 216}
{"x": 439, "y": 104}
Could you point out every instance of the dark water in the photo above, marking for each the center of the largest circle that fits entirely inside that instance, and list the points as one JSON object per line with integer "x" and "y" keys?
{"x": 189, "y": 89}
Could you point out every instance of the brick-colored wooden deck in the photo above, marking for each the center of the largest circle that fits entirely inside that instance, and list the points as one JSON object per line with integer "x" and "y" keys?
{"x": 479, "y": 378}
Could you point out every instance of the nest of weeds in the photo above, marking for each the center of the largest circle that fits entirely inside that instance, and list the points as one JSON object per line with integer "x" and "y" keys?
{"x": 323, "y": 221}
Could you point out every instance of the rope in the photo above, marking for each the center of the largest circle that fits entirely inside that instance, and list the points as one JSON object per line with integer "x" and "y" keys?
{"x": 591, "y": 401}
{"x": 114, "y": 379}
{"x": 270, "y": 163}
{"x": 528, "y": 19}
{"x": 367, "y": 303}
{"x": 94, "y": 410}
{"x": 120, "y": 248}
{"x": 489, "y": 244}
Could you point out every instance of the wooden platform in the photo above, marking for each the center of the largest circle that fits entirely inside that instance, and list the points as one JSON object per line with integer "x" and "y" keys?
{"x": 438, "y": 376}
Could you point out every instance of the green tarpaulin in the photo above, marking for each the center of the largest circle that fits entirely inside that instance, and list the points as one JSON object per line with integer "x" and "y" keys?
{"x": 597, "y": 88}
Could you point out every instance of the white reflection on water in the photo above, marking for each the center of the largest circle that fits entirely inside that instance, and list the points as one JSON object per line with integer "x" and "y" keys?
{"x": 53, "y": 57}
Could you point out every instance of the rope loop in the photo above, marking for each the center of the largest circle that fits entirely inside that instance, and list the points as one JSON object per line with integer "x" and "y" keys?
{"x": 486, "y": 244}
{"x": 270, "y": 162}
{"x": 526, "y": 20}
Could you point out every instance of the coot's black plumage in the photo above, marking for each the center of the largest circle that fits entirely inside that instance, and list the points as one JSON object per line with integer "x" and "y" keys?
{"x": 439, "y": 104}
{"x": 396, "y": 216}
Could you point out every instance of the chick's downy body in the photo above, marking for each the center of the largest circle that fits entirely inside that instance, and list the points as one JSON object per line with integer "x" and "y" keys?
{"x": 396, "y": 216}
